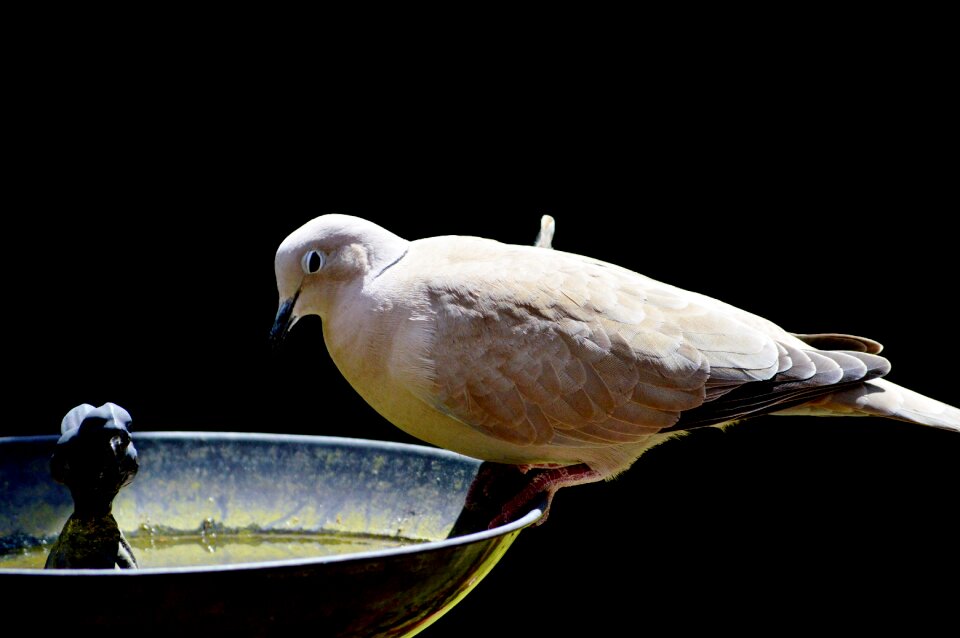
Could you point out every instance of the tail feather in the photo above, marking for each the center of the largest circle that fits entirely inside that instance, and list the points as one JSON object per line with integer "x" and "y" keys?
{"x": 879, "y": 397}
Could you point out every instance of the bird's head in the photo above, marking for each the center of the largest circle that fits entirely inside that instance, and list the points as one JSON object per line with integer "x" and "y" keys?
{"x": 95, "y": 456}
{"x": 322, "y": 257}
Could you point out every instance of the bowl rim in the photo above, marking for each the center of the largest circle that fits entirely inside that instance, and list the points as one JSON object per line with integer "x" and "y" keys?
{"x": 413, "y": 548}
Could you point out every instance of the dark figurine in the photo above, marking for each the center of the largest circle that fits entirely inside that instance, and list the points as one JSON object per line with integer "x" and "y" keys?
{"x": 95, "y": 458}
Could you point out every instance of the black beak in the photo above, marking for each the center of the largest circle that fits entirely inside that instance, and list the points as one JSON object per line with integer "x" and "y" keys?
{"x": 282, "y": 323}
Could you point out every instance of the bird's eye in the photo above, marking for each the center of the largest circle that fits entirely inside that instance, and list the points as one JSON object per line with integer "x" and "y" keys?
{"x": 312, "y": 261}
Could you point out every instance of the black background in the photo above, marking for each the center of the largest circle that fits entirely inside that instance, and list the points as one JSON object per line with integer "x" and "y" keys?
{"x": 146, "y": 209}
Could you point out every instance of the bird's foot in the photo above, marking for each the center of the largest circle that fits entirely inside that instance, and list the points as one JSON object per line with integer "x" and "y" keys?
{"x": 543, "y": 485}
{"x": 503, "y": 493}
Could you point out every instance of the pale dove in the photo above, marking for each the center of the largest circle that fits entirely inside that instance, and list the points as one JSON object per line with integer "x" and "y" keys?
{"x": 544, "y": 359}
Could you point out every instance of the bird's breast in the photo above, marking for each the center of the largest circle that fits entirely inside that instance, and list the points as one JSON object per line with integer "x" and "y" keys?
{"x": 385, "y": 353}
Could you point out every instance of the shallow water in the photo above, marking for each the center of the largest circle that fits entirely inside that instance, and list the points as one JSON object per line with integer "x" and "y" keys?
{"x": 188, "y": 550}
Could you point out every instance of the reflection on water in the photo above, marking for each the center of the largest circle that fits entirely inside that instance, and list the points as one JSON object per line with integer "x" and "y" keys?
{"x": 187, "y": 550}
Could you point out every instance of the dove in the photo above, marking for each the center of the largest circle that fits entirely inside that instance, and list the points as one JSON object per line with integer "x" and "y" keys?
{"x": 562, "y": 366}
{"x": 95, "y": 458}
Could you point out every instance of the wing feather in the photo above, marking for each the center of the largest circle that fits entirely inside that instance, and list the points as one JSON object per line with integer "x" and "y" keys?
{"x": 542, "y": 347}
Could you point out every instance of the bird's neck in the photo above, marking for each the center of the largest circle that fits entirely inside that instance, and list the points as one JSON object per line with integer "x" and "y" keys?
{"x": 355, "y": 342}
{"x": 361, "y": 332}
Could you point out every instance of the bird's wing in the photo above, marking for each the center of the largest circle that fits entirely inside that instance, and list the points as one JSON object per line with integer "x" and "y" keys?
{"x": 539, "y": 347}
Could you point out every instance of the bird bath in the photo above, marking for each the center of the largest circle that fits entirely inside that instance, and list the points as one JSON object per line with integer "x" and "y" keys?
{"x": 347, "y": 537}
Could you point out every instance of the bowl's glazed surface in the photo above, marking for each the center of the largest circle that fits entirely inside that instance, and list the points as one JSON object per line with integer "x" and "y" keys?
{"x": 190, "y": 481}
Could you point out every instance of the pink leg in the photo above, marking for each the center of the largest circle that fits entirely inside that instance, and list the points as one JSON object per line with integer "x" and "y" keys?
{"x": 502, "y": 493}
{"x": 544, "y": 482}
